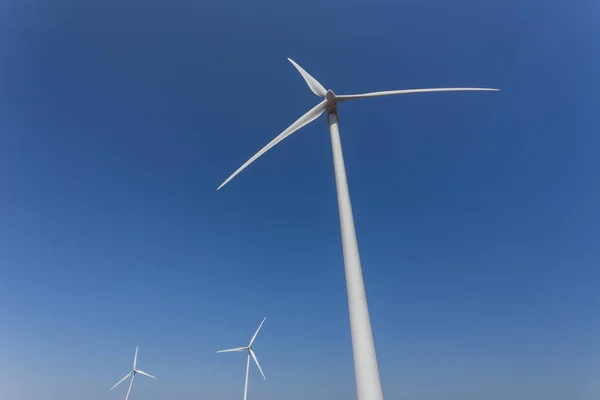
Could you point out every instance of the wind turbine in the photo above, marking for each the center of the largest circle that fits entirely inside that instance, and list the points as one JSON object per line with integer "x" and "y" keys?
{"x": 132, "y": 374}
{"x": 366, "y": 371}
{"x": 250, "y": 354}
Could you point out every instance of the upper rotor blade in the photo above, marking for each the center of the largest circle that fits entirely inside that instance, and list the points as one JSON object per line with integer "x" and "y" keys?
{"x": 125, "y": 377}
{"x": 312, "y": 83}
{"x": 135, "y": 357}
{"x": 257, "y": 364}
{"x": 139, "y": 371}
{"x": 236, "y": 349}
{"x": 256, "y": 333}
{"x": 307, "y": 118}
{"x": 408, "y": 91}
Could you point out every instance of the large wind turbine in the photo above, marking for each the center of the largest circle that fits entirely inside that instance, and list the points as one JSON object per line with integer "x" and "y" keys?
{"x": 366, "y": 371}
{"x": 250, "y": 354}
{"x": 132, "y": 374}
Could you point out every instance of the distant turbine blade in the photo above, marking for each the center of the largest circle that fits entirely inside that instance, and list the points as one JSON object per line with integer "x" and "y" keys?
{"x": 257, "y": 364}
{"x": 135, "y": 357}
{"x": 130, "y": 385}
{"x": 408, "y": 91}
{"x": 313, "y": 84}
{"x": 256, "y": 333}
{"x": 307, "y": 118}
{"x": 139, "y": 371}
{"x": 125, "y": 377}
{"x": 236, "y": 349}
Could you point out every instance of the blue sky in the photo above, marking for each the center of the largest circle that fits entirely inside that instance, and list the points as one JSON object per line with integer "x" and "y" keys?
{"x": 477, "y": 213}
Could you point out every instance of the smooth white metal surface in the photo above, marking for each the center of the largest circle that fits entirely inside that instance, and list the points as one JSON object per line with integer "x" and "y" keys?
{"x": 307, "y": 118}
{"x": 139, "y": 371}
{"x": 230, "y": 350}
{"x": 256, "y": 362}
{"x": 410, "y": 91}
{"x": 247, "y": 371}
{"x": 130, "y": 385}
{"x": 312, "y": 83}
{"x": 256, "y": 333}
{"x": 122, "y": 379}
{"x": 366, "y": 370}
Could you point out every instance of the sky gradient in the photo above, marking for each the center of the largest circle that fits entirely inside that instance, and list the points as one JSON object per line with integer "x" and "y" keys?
{"x": 476, "y": 213}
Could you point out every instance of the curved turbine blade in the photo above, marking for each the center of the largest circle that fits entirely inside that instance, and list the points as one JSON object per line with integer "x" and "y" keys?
{"x": 256, "y": 333}
{"x": 312, "y": 83}
{"x": 125, "y": 377}
{"x": 139, "y": 371}
{"x": 307, "y": 118}
{"x": 236, "y": 349}
{"x": 257, "y": 364}
{"x": 408, "y": 91}
{"x": 135, "y": 357}
{"x": 130, "y": 385}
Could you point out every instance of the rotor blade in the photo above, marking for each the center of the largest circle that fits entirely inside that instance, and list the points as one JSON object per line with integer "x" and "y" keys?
{"x": 307, "y": 118}
{"x": 236, "y": 349}
{"x": 257, "y": 364}
{"x": 408, "y": 91}
{"x": 256, "y": 333}
{"x": 130, "y": 385}
{"x": 125, "y": 377}
{"x": 135, "y": 357}
{"x": 139, "y": 371}
{"x": 312, "y": 83}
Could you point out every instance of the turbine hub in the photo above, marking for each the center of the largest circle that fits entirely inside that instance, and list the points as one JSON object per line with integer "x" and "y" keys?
{"x": 331, "y": 102}
{"x": 331, "y": 98}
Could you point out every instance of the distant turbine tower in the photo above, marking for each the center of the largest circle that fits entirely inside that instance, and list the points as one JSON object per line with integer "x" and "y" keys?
{"x": 132, "y": 374}
{"x": 366, "y": 371}
{"x": 250, "y": 354}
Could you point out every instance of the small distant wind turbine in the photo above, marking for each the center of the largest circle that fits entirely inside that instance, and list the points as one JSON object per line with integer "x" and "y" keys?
{"x": 132, "y": 374}
{"x": 366, "y": 371}
{"x": 250, "y": 354}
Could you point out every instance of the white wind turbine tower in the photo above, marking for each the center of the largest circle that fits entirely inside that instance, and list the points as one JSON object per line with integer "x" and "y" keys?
{"x": 250, "y": 354}
{"x": 366, "y": 371}
{"x": 132, "y": 374}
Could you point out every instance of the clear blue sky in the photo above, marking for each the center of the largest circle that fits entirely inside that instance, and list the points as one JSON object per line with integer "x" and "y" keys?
{"x": 477, "y": 213}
